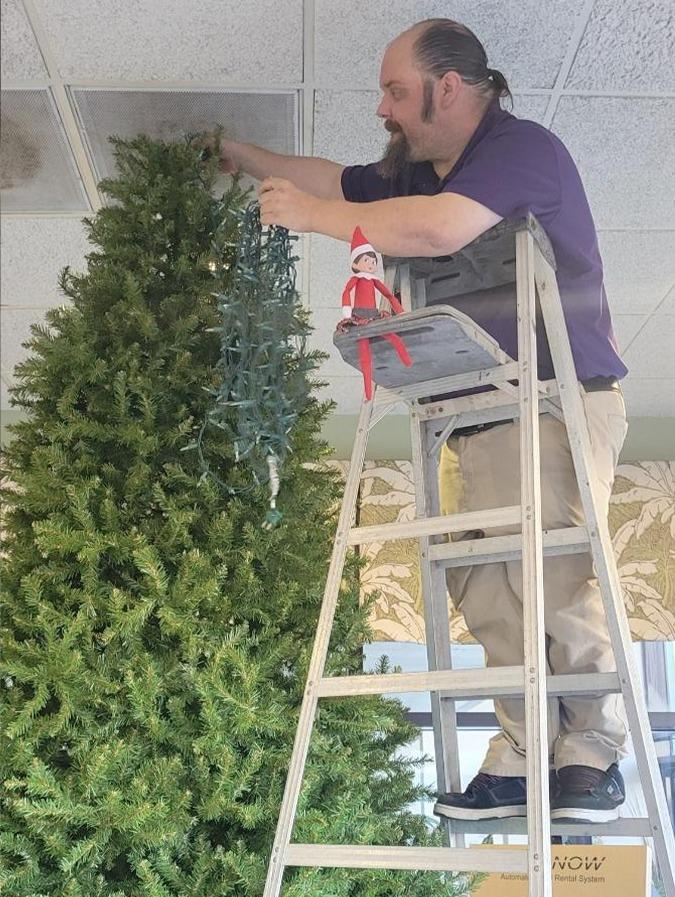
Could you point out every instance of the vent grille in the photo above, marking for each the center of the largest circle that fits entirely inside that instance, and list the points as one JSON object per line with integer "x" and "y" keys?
{"x": 267, "y": 119}
{"x": 37, "y": 168}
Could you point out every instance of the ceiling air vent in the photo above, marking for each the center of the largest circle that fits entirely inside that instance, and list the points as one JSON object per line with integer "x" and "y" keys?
{"x": 37, "y": 168}
{"x": 269, "y": 119}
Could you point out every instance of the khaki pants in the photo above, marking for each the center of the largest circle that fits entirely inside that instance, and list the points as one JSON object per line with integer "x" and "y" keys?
{"x": 589, "y": 730}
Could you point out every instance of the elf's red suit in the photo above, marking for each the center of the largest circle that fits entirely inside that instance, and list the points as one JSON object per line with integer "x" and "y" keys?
{"x": 364, "y": 283}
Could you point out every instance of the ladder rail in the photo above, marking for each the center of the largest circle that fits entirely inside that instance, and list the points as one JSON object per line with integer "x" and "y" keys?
{"x": 607, "y": 573}
{"x": 436, "y": 618}
{"x": 536, "y": 715}
{"x": 318, "y": 661}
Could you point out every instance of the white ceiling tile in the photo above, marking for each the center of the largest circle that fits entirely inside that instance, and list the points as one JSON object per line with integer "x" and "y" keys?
{"x": 204, "y": 40}
{"x": 623, "y": 148}
{"x": 20, "y": 58}
{"x": 530, "y": 106}
{"x": 639, "y": 268}
{"x": 15, "y": 330}
{"x": 625, "y": 328}
{"x": 346, "y": 129}
{"x": 668, "y": 307}
{"x": 649, "y": 398}
{"x": 525, "y": 39}
{"x": 651, "y": 354}
{"x": 626, "y": 46}
{"x": 37, "y": 249}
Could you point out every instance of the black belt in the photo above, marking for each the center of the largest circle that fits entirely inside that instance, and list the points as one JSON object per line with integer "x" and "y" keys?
{"x": 601, "y": 384}
{"x": 594, "y": 384}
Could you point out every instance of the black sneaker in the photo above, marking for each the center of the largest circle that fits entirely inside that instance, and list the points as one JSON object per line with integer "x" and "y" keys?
{"x": 486, "y": 797}
{"x": 588, "y": 795}
{"x": 491, "y": 797}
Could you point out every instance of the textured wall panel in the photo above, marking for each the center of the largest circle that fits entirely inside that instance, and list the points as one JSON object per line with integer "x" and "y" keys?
{"x": 329, "y": 272}
{"x": 20, "y": 58}
{"x": 651, "y": 353}
{"x": 37, "y": 249}
{"x": 649, "y": 398}
{"x": 626, "y": 327}
{"x": 623, "y": 148}
{"x": 627, "y": 45}
{"x": 324, "y": 321}
{"x": 346, "y": 391}
{"x": 668, "y": 307}
{"x": 15, "y": 330}
{"x": 258, "y": 41}
{"x": 346, "y": 128}
{"x": 525, "y": 39}
{"x": 639, "y": 268}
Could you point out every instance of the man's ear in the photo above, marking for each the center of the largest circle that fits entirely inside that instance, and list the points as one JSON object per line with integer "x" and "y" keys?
{"x": 448, "y": 88}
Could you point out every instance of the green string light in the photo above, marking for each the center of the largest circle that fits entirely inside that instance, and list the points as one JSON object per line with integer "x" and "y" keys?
{"x": 264, "y": 361}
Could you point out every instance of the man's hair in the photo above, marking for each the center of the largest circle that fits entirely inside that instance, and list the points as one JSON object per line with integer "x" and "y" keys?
{"x": 443, "y": 46}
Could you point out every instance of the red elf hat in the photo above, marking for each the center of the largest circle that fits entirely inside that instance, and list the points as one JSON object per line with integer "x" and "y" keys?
{"x": 359, "y": 244}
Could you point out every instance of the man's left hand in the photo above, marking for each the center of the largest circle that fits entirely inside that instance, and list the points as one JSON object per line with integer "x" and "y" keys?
{"x": 282, "y": 203}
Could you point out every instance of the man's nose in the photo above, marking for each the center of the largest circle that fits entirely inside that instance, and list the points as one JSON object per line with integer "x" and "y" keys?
{"x": 382, "y": 110}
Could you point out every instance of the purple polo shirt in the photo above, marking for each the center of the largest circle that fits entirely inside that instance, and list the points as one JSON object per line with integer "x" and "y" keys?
{"x": 514, "y": 166}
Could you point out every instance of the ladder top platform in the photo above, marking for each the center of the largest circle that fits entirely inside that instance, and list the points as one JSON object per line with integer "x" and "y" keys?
{"x": 488, "y": 261}
{"x": 441, "y": 341}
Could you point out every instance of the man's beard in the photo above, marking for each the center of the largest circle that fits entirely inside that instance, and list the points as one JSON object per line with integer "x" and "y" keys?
{"x": 396, "y": 156}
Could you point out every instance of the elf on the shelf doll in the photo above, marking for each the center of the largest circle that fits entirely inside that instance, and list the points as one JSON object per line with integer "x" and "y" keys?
{"x": 364, "y": 283}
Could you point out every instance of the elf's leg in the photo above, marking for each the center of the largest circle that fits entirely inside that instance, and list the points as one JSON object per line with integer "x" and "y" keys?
{"x": 365, "y": 360}
{"x": 399, "y": 345}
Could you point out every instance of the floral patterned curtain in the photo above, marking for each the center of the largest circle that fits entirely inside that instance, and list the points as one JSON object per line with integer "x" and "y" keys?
{"x": 642, "y": 524}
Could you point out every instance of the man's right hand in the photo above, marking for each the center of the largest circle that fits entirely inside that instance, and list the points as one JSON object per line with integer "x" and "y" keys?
{"x": 227, "y": 162}
{"x": 320, "y": 177}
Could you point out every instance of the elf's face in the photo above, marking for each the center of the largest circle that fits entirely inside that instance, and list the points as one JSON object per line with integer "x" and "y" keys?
{"x": 366, "y": 263}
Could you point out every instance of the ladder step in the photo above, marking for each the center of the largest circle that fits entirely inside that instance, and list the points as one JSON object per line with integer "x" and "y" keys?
{"x": 638, "y": 827}
{"x": 435, "y": 526}
{"x": 440, "y": 859}
{"x": 568, "y": 540}
{"x": 422, "y": 389}
{"x": 464, "y": 684}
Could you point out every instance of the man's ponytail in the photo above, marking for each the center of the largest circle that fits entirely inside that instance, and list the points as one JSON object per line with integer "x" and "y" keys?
{"x": 444, "y": 45}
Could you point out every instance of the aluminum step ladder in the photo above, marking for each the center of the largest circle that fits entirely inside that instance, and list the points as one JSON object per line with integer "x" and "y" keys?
{"x": 451, "y": 353}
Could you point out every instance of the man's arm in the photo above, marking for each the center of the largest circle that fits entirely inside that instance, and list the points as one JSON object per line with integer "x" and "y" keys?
{"x": 404, "y": 226}
{"x": 320, "y": 177}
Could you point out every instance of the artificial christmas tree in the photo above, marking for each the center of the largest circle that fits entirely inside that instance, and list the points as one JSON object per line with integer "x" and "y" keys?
{"x": 155, "y": 636}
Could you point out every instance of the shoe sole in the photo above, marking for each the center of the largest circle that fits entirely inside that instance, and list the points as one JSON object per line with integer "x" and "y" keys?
{"x": 463, "y": 813}
{"x": 580, "y": 814}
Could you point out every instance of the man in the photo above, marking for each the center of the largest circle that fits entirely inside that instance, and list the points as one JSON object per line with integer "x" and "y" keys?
{"x": 457, "y": 164}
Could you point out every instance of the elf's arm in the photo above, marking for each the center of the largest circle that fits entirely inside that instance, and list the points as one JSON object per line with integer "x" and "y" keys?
{"x": 393, "y": 301}
{"x": 347, "y": 299}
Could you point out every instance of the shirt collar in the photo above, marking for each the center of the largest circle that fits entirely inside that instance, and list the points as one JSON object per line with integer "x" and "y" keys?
{"x": 493, "y": 114}
{"x": 421, "y": 177}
